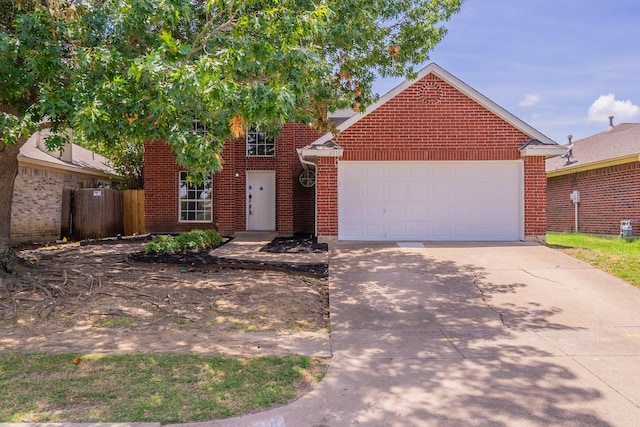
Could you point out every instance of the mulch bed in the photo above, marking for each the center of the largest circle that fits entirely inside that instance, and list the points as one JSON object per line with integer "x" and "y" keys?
{"x": 298, "y": 244}
{"x": 203, "y": 259}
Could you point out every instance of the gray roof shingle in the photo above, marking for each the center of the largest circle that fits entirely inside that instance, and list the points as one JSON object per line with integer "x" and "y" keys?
{"x": 619, "y": 141}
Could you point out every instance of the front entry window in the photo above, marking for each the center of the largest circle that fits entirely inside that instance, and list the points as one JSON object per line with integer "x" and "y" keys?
{"x": 195, "y": 199}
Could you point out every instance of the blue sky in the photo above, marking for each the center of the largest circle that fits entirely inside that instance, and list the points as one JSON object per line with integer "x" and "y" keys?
{"x": 562, "y": 66}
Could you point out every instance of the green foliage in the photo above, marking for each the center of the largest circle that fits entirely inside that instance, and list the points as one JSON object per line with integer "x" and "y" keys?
{"x": 168, "y": 388}
{"x": 195, "y": 240}
{"x": 130, "y": 70}
{"x": 614, "y": 255}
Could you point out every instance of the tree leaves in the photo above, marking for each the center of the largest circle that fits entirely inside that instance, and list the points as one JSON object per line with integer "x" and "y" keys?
{"x": 123, "y": 70}
{"x": 237, "y": 126}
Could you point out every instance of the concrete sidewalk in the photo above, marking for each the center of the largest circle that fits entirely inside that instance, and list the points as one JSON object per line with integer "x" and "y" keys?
{"x": 472, "y": 335}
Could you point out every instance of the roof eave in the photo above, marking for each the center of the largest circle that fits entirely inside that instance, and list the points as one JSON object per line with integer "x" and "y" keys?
{"x": 546, "y": 150}
{"x": 313, "y": 153}
{"x": 593, "y": 165}
{"x": 86, "y": 170}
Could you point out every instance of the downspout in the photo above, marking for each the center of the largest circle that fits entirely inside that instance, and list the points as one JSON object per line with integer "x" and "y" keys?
{"x": 304, "y": 162}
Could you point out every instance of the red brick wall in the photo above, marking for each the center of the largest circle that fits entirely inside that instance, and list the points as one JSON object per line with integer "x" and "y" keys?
{"x": 294, "y": 204}
{"x": 432, "y": 120}
{"x": 161, "y": 189}
{"x": 607, "y": 195}
{"x": 535, "y": 201}
{"x": 327, "y": 200}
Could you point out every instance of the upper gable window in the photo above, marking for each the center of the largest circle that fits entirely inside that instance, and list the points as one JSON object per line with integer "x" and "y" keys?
{"x": 259, "y": 144}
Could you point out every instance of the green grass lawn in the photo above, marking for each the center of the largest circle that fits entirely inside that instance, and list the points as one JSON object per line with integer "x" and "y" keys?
{"x": 619, "y": 257}
{"x": 167, "y": 388}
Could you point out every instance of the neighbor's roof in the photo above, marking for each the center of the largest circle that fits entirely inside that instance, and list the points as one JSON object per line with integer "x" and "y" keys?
{"x": 83, "y": 161}
{"x": 459, "y": 85}
{"x": 616, "y": 145}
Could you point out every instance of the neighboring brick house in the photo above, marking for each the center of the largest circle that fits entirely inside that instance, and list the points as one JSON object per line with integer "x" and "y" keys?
{"x": 605, "y": 171}
{"x": 432, "y": 160}
{"x": 36, "y": 209}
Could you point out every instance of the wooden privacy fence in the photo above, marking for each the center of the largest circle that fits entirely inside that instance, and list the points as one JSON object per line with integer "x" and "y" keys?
{"x": 96, "y": 213}
{"x": 133, "y": 212}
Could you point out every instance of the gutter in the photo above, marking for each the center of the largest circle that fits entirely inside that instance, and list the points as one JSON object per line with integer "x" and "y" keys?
{"x": 305, "y": 163}
{"x": 629, "y": 158}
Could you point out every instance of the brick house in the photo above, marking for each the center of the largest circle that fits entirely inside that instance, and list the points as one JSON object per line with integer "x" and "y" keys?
{"x": 36, "y": 209}
{"x": 604, "y": 170}
{"x": 433, "y": 159}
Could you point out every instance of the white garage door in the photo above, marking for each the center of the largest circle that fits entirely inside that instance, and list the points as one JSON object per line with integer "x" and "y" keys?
{"x": 440, "y": 201}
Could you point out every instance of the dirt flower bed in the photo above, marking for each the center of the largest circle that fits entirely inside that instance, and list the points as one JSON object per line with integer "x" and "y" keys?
{"x": 105, "y": 288}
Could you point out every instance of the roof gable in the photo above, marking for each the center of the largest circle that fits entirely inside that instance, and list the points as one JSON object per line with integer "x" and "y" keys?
{"x": 619, "y": 144}
{"x": 458, "y": 85}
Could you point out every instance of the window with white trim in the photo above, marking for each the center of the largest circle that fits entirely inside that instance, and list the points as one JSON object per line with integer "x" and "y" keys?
{"x": 195, "y": 200}
{"x": 259, "y": 144}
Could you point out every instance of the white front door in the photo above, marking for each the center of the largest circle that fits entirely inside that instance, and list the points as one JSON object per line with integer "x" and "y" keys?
{"x": 261, "y": 200}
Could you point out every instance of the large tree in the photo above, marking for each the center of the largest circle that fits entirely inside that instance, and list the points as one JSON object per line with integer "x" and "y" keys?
{"x": 118, "y": 70}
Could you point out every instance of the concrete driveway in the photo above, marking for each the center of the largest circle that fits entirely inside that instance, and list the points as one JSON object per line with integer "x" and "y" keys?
{"x": 472, "y": 335}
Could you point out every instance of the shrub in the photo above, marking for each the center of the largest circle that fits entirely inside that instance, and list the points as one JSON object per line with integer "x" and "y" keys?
{"x": 195, "y": 240}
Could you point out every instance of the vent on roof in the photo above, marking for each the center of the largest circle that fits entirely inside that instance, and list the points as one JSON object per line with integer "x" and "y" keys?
{"x": 569, "y": 154}
{"x": 610, "y": 122}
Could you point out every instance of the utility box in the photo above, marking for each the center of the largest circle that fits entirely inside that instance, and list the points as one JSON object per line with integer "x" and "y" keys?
{"x": 625, "y": 228}
{"x": 575, "y": 196}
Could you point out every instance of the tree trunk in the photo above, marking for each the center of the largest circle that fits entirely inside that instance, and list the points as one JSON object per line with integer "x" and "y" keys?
{"x": 8, "y": 172}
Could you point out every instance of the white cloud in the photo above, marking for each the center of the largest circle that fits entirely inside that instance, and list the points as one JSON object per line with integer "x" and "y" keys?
{"x": 530, "y": 100}
{"x": 608, "y": 105}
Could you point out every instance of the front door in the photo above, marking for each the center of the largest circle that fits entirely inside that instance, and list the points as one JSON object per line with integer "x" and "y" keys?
{"x": 261, "y": 200}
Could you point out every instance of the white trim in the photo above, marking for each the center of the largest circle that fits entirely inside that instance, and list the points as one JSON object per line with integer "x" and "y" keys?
{"x": 257, "y": 132}
{"x": 456, "y": 83}
{"x": 543, "y": 150}
{"x": 307, "y": 153}
{"x": 195, "y": 221}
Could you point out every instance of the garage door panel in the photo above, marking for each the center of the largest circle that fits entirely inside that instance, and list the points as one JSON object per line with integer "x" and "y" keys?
{"x": 430, "y": 200}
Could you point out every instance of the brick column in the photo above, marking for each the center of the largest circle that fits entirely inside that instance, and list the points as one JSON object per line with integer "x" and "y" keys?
{"x": 327, "y": 198}
{"x": 535, "y": 198}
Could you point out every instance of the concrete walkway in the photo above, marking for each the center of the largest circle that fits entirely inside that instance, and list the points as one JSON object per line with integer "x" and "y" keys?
{"x": 472, "y": 335}
{"x": 246, "y": 246}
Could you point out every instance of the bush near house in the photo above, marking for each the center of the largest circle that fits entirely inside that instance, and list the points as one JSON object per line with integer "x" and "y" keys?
{"x": 195, "y": 240}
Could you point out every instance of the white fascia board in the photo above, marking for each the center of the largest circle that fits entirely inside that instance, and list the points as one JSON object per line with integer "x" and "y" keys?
{"x": 543, "y": 150}
{"x": 307, "y": 153}
{"x": 456, "y": 83}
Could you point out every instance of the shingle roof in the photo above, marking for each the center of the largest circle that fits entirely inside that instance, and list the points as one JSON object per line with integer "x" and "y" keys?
{"x": 620, "y": 141}
{"x": 83, "y": 160}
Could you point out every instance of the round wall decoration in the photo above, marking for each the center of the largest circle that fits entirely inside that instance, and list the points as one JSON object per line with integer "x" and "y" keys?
{"x": 307, "y": 178}
{"x": 430, "y": 93}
